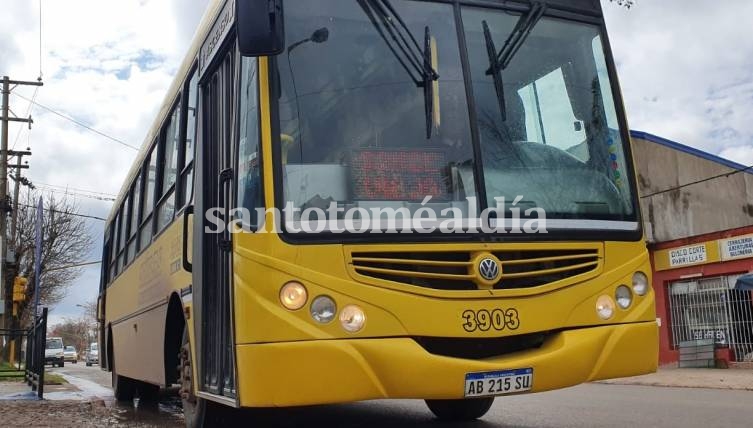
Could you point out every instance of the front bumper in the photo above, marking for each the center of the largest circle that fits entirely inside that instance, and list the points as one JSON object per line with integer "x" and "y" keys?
{"x": 334, "y": 371}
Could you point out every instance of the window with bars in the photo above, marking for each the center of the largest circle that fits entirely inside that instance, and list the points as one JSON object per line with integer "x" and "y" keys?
{"x": 710, "y": 308}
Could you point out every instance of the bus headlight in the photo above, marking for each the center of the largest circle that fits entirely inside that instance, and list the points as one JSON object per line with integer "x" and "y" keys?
{"x": 605, "y": 307}
{"x": 293, "y": 295}
{"x": 640, "y": 283}
{"x": 352, "y": 318}
{"x": 623, "y": 296}
{"x": 323, "y": 309}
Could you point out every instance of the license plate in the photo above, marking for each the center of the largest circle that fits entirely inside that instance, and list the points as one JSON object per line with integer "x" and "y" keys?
{"x": 498, "y": 383}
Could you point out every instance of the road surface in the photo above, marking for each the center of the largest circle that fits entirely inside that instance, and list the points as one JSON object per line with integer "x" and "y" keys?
{"x": 590, "y": 405}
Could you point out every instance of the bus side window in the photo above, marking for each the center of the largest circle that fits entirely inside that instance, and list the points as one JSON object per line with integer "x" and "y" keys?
{"x": 106, "y": 259}
{"x": 168, "y": 170}
{"x": 133, "y": 240}
{"x": 150, "y": 176}
{"x": 250, "y": 185}
{"x": 113, "y": 252}
{"x": 186, "y": 173}
{"x": 116, "y": 246}
{"x": 123, "y": 220}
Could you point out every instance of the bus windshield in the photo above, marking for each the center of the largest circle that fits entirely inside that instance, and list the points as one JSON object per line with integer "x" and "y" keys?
{"x": 354, "y": 112}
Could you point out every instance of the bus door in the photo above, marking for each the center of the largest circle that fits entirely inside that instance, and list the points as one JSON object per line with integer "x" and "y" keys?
{"x": 217, "y": 359}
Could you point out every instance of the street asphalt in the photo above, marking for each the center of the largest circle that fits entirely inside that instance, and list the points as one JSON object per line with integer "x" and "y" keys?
{"x": 589, "y": 405}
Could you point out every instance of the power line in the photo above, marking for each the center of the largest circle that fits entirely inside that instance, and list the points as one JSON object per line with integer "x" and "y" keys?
{"x": 70, "y": 119}
{"x": 40, "y": 40}
{"x": 72, "y": 191}
{"x": 75, "y": 189}
{"x": 69, "y": 193}
{"x": 75, "y": 266}
{"x": 66, "y": 213}
{"x": 28, "y": 114}
{"x": 682, "y": 186}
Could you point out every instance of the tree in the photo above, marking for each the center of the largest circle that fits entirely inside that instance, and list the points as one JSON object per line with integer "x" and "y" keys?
{"x": 76, "y": 332}
{"x": 67, "y": 242}
{"x": 626, "y": 3}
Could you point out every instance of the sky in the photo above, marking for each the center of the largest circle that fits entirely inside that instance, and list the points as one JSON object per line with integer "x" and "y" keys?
{"x": 684, "y": 67}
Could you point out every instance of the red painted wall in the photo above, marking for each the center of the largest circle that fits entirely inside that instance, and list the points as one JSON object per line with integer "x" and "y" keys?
{"x": 662, "y": 280}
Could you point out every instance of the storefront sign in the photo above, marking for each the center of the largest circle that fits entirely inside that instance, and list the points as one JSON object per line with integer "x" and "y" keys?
{"x": 688, "y": 255}
{"x": 736, "y": 248}
{"x": 719, "y": 335}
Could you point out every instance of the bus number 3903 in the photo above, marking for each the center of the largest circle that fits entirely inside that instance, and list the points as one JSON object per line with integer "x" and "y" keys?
{"x": 498, "y": 319}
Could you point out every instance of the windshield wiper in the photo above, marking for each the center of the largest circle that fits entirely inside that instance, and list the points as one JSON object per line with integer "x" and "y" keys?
{"x": 500, "y": 61}
{"x": 401, "y": 41}
{"x": 495, "y": 71}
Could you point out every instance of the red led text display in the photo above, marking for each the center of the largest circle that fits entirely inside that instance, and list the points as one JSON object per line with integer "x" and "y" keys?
{"x": 380, "y": 175}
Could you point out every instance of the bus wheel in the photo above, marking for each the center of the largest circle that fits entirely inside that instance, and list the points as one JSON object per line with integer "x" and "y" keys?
{"x": 460, "y": 410}
{"x": 123, "y": 388}
{"x": 148, "y": 393}
{"x": 197, "y": 412}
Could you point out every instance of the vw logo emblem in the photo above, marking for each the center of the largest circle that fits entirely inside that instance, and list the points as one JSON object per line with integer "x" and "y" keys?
{"x": 489, "y": 269}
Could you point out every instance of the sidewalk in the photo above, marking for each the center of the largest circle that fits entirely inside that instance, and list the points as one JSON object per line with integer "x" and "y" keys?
{"x": 19, "y": 390}
{"x": 64, "y": 406}
{"x": 692, "y": 378}
{"x": 15, "y": 390}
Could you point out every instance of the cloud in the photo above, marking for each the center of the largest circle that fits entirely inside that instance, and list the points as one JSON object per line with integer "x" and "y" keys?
{"x": 684, "y": 68}
{"x": 110, "y": 68}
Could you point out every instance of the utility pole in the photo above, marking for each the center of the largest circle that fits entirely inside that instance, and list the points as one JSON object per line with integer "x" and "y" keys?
{"x": 17, "y": 187}
{"x": 6, "y": 288}
{"x": 13, "y": 271}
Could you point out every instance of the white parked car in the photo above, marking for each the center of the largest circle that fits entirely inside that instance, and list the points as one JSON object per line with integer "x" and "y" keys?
{"x": 92, "y": 355}
{"x": 54, "y": 352}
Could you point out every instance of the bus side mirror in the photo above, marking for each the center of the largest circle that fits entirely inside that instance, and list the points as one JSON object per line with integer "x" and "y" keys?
{"x": 260, "y": 27}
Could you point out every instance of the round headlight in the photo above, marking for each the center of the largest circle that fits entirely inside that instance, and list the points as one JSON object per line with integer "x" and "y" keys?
{"x": 623, "y": 296}
{"x": 640, "y": 283}
{"x": 352, "y": 318}
{"x": 323, "y": 309}
{"x": 293, "y": 295}
{"x": 605, "y": 307}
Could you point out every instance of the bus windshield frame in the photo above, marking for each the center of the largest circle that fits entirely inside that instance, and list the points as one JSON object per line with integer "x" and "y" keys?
{"x": 478, "y": 149}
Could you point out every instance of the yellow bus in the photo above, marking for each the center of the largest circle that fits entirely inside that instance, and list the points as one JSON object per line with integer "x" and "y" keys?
{"x": 345, "y": 201}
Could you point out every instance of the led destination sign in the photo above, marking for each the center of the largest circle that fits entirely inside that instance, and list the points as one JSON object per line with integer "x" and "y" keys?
{"x": 405, "y": 175}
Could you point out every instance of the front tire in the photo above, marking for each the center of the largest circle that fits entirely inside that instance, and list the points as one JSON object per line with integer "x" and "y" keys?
{"x": 460, "y": 410}
{"x": 197, "y": 411}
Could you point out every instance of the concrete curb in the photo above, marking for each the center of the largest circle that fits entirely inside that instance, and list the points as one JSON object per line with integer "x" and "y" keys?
{"x": 674, "y": 385}
{"x": 734, "y": 380}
